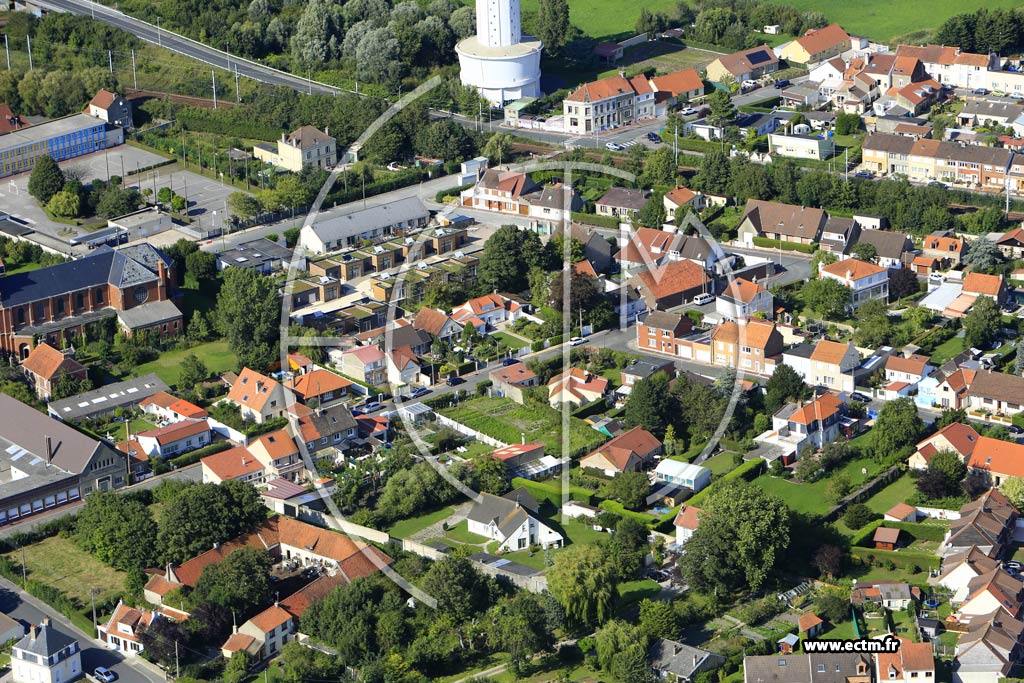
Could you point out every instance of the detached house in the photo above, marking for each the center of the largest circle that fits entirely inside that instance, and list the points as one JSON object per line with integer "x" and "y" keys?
{"x": 174, "y": 439}
{"x": 510, "y": 381}
{"x": 320, "y": 387}
{"x": 909, "y": 370}
{"x": 745, "y": 65}
{"x": 46, "y": 655}
{"x": 865, "y": 280}
{"x": 800, "y": 425}
{"x": 622, "y": 202}
{"x": 630, "y": 451}
{"x": 324, "y": 427}
{"x": 956, "y": 437}
{"x": 1012, "y": 243}
{"x": 996, "y": 393}
{"x": 686, "y": 523}
{"x": 998, "y": 460}
{"x": 911, "y": 663}
{"x": 777, "y": 221}
{"x": 576, "y": 387}
{"x": 512, "y": 521}
{"x": 121, "y": 632}
{"x": 487, "y": 312}
{"x": 892, "y": 248}
{"x": 234, "y": 464}
{"x": 258, "y": 397}
{"x": 366, "y": 364}
{"x": 816, "y": 45}
{"x": 437, "y": 324}
{"x": 744, "y": 299}
{"x": 45, "y": 365}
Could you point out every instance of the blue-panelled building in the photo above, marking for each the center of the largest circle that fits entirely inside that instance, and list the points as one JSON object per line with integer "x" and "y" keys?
{"x": 65, "y": 138}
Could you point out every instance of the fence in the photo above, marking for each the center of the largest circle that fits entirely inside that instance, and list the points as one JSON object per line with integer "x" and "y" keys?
{"x": 418, "y": 549}
{"x": 635, "y": 40}
{"x": 536, "y": 583}
{"x": 939, "y": 513}
{"x": 463, "y": 429}
{"x": 864, "y": 492}
{"x": 346, "y": 527}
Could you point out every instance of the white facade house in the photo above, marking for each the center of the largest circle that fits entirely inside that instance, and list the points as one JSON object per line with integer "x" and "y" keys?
{"x": 743, "y": 299}
{"x": 797, "y": 146}
{"x": 865, "y": 280}
{"x": 693, "y": 477}
{"x": 511, "y": 520}
{"x": 46, "y": 655}
{"x": 346, "y": 226}
{"x": 686, "y": 523}
{"x": 499, "y": 61}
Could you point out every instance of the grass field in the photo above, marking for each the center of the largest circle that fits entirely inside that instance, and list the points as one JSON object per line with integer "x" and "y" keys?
{"x": 810, "y": 498}
{"x": 461, "y": 534}
{"x": 508, "y": 340}
{"x": 720, "y": 464}
{"x": 58, "y": 562}
{"x": 896, "y": 492}
{"x": 407, "y": 527}
{"x": 947, "y": 350}
{"x": 216, "y": 355}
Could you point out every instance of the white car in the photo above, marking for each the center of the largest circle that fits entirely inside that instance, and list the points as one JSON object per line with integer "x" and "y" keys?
{"x": 688, "y": 111}
{"x": 702, "y": 299}
{"x": 576, "y": 341}
{"x": 104, "y": 674}
{"x": 614, "y": 146}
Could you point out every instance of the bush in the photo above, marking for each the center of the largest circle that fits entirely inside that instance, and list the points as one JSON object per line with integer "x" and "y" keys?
{"x": 857, "y": 515}
{"x": 766, "y": 243}
{"x": 451, "y": 192}
{"x": 482, "y": 387}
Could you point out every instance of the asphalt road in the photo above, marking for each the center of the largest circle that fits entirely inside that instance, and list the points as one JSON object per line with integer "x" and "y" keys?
{"x": 28, "y": 610}
{"x": 188, "y": 47}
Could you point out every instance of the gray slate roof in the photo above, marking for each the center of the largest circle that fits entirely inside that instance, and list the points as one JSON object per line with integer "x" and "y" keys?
{"x": 625, "y": 198}
{"x": 149, "y": 314}
{"x": 804, "y": 668}
{"x": 888, "y": 244}
{"x": 343, "y": 222}
{"x": 106, "y": 398}
{"x": 46, "y": 642}
{"x": 508, "y": 512}
{"x": 682, "y": 660}
{"x": 25, "y": 427}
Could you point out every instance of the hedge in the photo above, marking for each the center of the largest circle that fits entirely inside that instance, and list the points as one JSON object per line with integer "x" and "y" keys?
{"x": 592, "y": 408}
{"x": 748, "y": 471}
{"x": 451, "y": 192}
{"x": 785, "y": 246}
{"x": 37, "y": 533}
{"x": 615, "y": 507}
{"x": 594, "y": 219}
{"x": 195, "y": 456}
{"x": 552, "y": 493}
{"x": 194, "y": 121}
{"x": 868, "y": 531}
{"x": 1018, "y": 420}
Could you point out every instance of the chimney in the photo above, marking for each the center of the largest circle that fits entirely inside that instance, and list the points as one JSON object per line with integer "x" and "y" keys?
{"x": 282, "y": 137}
{"x": 695, "y": 660}
{"x": 522, "y": 438}
{"x": 45, "y": 621}
{"x": 33, "y": 631}
{"x": 327, "y": 131}
{"x": 49, "y": 450}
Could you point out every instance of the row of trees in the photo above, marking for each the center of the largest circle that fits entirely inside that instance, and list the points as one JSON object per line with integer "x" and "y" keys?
{"x": 65, "y": 196}
{"x": 985, "y": 30}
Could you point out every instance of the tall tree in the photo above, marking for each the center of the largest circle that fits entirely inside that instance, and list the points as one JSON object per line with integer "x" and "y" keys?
{"x": 583, "y": 583}
{"x": 898, "y": 426}
{"x": 240, "y": 582}
{"x": 46, "y": 179}
{"x": 507, "y": 258}
{"x": 742, "y": 537}
{"x": 249, "y": 315}
{"x": 553, "y": 24}
{"x": 784, "y": 385}
{"x": 981, "y": 322}
{"x": 518, "y": 627}
{"x": 650, "y": 405}
{"x": 118, "y": 530}
{"x": 722, "y": 108}
{"x": 982, "y": 255}
{"x": 460, "y": 590}
{"x": 827, "y": 297}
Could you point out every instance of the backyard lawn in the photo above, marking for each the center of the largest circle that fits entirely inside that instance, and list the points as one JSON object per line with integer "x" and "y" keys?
{"x": 216, "y": 355}
{"x": 720, "y": 464}
{"x": 507, "y": 421}
{"x": 407, "y": 527}
{"x": 947, "y": 350}
{"x": 897, "y": 492}
{"x": 512, "y": 342}
{"x": 58, "y": 562}
{"x": 635, "y": 591}
{"x": 810, "y": 498}
{"x": 461, "y": 534}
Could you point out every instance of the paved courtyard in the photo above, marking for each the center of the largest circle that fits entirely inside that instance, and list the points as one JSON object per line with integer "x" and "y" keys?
{"x": 207, "y": 198}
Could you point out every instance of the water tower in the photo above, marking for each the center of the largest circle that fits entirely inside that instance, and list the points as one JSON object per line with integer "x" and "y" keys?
{"x": 499, "y": 61}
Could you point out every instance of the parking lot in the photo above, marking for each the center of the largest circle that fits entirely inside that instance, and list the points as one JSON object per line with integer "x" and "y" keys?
{"x": 207, "y": 198}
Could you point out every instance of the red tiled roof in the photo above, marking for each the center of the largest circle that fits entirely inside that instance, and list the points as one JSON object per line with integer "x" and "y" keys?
{"x": 512, "y": 374}
{"x": 515, "y": 450}
{"x": 827, "y": 351}
{"x": 980, "y": 283}
{"x": 819, "y": 409}
{"x": 430, "y": 320}
{"x": 680, "y": 195}
{"x": 318, "y": 382}
{"x": 913, "y": 365}
{"x": 47, "y": 362}
{"x": 821, "y": 39}
{"x": 688, "y": 517}
{"x": 962, "y": 437}
{"x": 252, "y": 389}
{"x": 901, "y": 511}
{"x": 997, "y": 456}
{"x": 103, "y": 99}
{"x": 238, "y": 642}
{"x": 673, "y": 278}
{"x": 742, "y": 290}
{"x": 679, "y": 82}
{"x": 602, "y": 89}
{"x": 176, "y": 431}
{"x": 585, "y": 267}
{"x": 270, "y": 618}
{"x": 808, "y": 621}
{"x": 232, "y": 463}
{"x": 852, "y": 269}
{"x": 9, "y": 122}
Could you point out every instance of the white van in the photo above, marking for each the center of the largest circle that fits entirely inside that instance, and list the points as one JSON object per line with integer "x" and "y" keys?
{"x": 702, "y": 299}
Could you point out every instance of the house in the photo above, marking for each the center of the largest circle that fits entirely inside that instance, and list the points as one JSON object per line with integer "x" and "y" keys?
{"x": 261, "y": 255}
{"x": 910, "y": 369}
{"x": 618, "y": 101}
{"x": 809, "y": 625}
{"x": 802, "y": 145}
{"x": 989, "y": 651}
{"x": 744, "y": 299}
{"x": 893, "y": 595}
{"x": 576, "y": 387}
{"x": 886, "y": 538}
{"x": 959, "y": 569}
{"x": 403, "y": 366}
{"x": 174, "y": 439}
{"x": 258, "y": 397}
{"x": 349, "y": 225}
{"x": 437, "y": 324}
{"x": 996, "y": 393}
{"x": 778, "y": 221}
{"x": 500, "y": 191}
{"x": 998, "y": 460}
{"x": 643, "y": 368}
{"x": 122, "y": 630}
{"x": 46, "y": 655}
{"x": 892, "y": 247}
{"x": 687, "y": 475}
{"x": 947, "y": 249}
{"x": 1012, "y": 243}
{"x": 745, "y": 65}
{"x": 752, "y": 345}
{"x": 911, "y": 663}
{"x": 278, "y": 454}
{"x": 816, "y": 45}
{"x": 527, "y": 460}
{"x": 797, "y": 426}
{"x": 234, "y": 464}
{"x": 622, "y": 202}
{"x": 112, "y": 108}
{"x": 680, "y": 196}
{"x": 366, "y": 364}
{"x": 44, "y": 367}
{"x": 946, "y": 388}
{"x": 630, "y": 451}
{"x": 981, "y": 284}
{"x": 510, "y": 381}
{"x": 305, "y": 146}
{"x": 106, "y": 399}
{"x": 324, "y": 427}
{"x": 168, "y": 408}
{"x": 49, "y": 464}
{"x": 675, "y": 661}
{"x": 672, "y": 284}
{"x": 865, "y": 280}
{"x": 809, "y": 668}
{"x": 53, "y": 304}
{"x": 9, "y": 121}
{"x": 952, "y": 66}
{"x": 992, "y": 591}
{"x": 988, "y": 114}
{"x": 660, "y": 330}
{"x": 686, "y": 522}
{"x": 512, "y": 521}
{"x": 677, "y": 87}
{"x": 486, "y": 312}
{"x": 924, "y": 160}
{"x": 987, "y": 523}
{"x": 901, "y": 512}
{"x": 832, "y": 365}
{"x": 319, "y": 387}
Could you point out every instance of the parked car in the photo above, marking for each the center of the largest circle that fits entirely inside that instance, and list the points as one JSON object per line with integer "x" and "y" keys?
{"x": 688, "y": 111}
{"x": 654, "y": 137}
{"x": 781, "y": 83}
{"x": 576, "y": 341}
{"x": 419, "y": 391}
{"x": 104, "y": 674}
{"x": 980, "y": 91}
{"x": 1017, "y": 96}
{"x": 509, "y": 361}
{"x": 454, "y": 381}
{"x": 862, "y": 398}
{"x": 1014, "y": 429}
{"x": 864, "y": 174}
{"x": 704, "y": 298}
{"x": 614, "y": 146}
{"x": 366, "y": 408}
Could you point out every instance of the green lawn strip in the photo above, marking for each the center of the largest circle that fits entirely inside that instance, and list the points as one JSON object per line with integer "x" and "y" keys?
{"x": 897, "y": 492}
{"x": 720, "y": 464}
{"x": 407, "y": 527}
{"x": 810, "y": 497}
{"x": 635, "y": 591}
{"x": 947, "y": 350}
{"x": 460, "y": 533}
{"x": 514, "y": 343}
{"x": 215, "y": 355}
{"x": 59, "y": 563}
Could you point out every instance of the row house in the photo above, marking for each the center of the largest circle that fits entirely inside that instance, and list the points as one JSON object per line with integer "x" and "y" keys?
{"x": 617, "y": 101}
{"x": 952, "y": 66}
{"x": 826, "y": 364}
{"x": 410, "y": 285}
{"x": 661, "y": 330}
{"x": 923, "y": 160}
{"x": 743, "y": 299}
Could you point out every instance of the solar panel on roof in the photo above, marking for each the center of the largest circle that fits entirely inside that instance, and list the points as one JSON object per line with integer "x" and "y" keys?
{"x": 500, "y": 563}
{"x": 758, "y": 57}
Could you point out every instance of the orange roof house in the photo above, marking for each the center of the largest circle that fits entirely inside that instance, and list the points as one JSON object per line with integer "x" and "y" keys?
{"x": 235, "y": 464}
{"x": 44, "y": 366}
{"x": 172, "y": 408}
{"x": 258, "y": 397}
{"x": 627, "y": 452}
{"x": 672, "y": 284}
{"x": 320, "y": 384}
{"x": 577, "y": 387}
{"x": 912, "y": 661}
{"x": 810, "y": 624}
{"x": 980, "y": 284}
